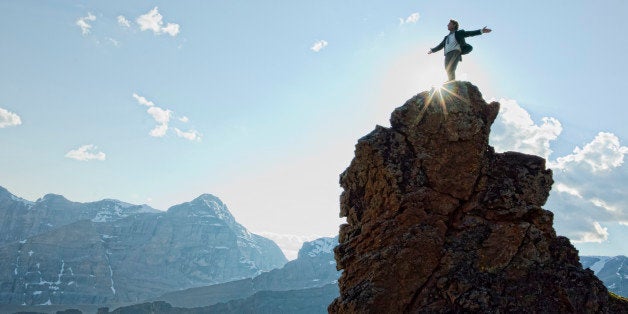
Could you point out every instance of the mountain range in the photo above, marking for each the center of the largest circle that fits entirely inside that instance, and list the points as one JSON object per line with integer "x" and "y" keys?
{"x": 194, "y": 258}
{"x": 54, "y": 251}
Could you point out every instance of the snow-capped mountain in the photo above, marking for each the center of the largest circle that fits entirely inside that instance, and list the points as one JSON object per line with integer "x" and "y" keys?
{"x": 116, "y": 252}
{"x": 613, "y": 271}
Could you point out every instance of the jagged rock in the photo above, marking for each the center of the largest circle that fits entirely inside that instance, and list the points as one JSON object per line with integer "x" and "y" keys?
{"x": 439, "y": 222}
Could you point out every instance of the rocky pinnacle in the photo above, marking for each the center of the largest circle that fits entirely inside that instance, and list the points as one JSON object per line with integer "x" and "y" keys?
{"x": 439, "y": 222}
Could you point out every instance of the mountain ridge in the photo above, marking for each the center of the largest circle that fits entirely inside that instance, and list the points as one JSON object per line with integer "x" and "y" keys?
{"x": 110, "y": 251}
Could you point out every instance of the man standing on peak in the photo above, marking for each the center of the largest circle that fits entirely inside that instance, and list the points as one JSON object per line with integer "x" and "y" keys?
{"x": 455, "y": 46}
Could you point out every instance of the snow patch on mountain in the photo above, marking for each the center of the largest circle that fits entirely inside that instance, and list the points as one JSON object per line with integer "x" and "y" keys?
{"x": 323, "y": 245}
{"x": 597, "y": 266}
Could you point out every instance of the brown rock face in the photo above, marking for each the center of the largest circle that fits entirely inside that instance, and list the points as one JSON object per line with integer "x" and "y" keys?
{"x": 438, "y": 222}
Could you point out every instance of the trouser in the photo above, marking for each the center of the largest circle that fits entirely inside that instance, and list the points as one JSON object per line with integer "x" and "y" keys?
{"x": 451, "y": 63}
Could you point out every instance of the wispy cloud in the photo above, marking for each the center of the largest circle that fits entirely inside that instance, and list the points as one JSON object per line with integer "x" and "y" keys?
{"x": 113, "y": 41}
{"x": 86, "y": 153}
{"x": 191, "y": 135}
{"x": 153, "y": 21}
{"x": 598, "y": 234}
{"x": 319, "y": 45}
{"x": 163, "y": 118}
{"x": 412, "y": 18}
{"x": 122, "y": 21}
{"x": 83, "y": 23}
{"x": 8, "y": 118}
{"x": 142, "y": 100}
{"x": 588, "y": 191}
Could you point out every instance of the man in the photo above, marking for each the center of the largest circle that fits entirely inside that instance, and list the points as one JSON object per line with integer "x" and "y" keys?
{"x": 454, "y": 44}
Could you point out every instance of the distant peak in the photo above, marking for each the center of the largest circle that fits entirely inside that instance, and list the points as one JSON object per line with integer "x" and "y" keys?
{"x": 207, "y": 197}
{"x": 318, "y": 247}
{"x": 52, "y": 197}
{"x": 206, "y": 205}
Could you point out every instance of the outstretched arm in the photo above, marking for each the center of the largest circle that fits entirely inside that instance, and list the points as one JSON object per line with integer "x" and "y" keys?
{"x": 437, "y": 48}
{"x": 477, "y": 32}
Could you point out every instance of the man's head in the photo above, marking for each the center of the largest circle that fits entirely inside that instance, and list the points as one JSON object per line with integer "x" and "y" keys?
{"x": 452, "y": 26}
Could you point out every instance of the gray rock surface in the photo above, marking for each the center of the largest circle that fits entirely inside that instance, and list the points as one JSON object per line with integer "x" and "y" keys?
{"x": 315, "y": 267}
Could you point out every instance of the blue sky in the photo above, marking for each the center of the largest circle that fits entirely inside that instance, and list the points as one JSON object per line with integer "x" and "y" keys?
{"x": 261, "y": 102}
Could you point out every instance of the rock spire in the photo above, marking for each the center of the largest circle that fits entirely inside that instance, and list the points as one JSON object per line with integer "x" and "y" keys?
{"x": 439, "y": 222}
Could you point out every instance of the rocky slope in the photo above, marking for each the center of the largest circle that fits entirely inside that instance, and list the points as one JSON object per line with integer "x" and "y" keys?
{"x": 315, "y": 267}
{"x": 613, "y": 271}
{"x": 129, "y": 259}
{"x": 439, "y": 222}
{"x": 303, "y": 301}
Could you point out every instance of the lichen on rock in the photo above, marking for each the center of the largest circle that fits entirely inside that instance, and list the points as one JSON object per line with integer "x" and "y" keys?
{"x": 439, "y": 222}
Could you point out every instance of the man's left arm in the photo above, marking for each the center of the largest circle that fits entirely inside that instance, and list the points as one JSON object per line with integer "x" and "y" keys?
{"x": 478, "y": 32}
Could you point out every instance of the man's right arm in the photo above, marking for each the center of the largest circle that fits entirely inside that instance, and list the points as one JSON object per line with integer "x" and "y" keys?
{"x": 439, "y": 47}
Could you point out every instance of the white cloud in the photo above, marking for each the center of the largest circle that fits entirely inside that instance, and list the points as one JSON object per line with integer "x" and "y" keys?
{"x": 599, "y": 234}
{"x": 8, "y": 118}
{"x": 413, "y": 18}
{"x": 171, "y": 29}
{"x": 601, "y": 154}
{"x": 588, "y": 184}
{"x": 514, "y": 130}
{"x": 191, "y": 135}
{"x": 563, "y": 188}
{"x": 160, "y": 115}
{"x": 142, "y": 100}
{"x": 601, "y": 203}
{"x": 83, "y": 23}
{"x": 159, "y": 130}
{"x": 153, "y": 21}
{"x": 319, "y": 45}
{"x": 86, "y": 153}
{"x": 122, "y": 21}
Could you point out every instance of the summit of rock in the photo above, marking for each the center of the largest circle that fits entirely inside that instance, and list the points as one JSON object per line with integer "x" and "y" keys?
{"x": 439, "y": 222}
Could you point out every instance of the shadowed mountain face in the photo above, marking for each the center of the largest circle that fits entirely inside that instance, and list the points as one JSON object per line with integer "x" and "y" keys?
{"x": 111, "y": 254}
{"x": 20, "y": 219}
{"x": 304, "y": 285}
{"x": 315, "y": 267}
{"x": 439, "y": 222}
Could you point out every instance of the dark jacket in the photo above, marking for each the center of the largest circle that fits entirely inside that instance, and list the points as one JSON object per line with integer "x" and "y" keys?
{"x": 460, "y": 36}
